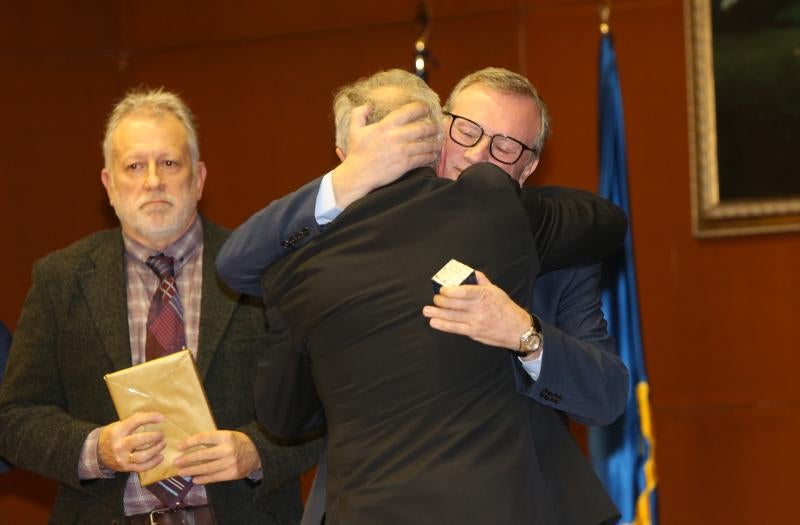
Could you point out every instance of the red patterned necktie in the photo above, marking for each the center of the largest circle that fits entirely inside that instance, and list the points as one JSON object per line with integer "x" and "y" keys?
{"x": 165, "y": 329}
{"x": 166, "y": 334}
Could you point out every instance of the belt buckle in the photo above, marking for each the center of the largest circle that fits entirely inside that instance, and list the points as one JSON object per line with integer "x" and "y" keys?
{"x": 157, "y": 512}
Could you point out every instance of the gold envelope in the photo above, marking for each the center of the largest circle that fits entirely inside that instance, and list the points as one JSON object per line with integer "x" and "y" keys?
{"x": 168, "y": 385}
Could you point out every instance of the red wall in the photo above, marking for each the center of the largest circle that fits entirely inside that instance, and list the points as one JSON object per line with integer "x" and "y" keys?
{"x": 260, "y": 78}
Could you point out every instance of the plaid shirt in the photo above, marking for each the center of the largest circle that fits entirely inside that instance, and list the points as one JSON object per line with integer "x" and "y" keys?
{"x": 142, "y": 284}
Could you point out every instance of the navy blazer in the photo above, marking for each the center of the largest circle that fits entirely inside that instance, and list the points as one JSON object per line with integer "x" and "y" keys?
{"x": 581, "y": 374}
{"x": 5, "y": 344}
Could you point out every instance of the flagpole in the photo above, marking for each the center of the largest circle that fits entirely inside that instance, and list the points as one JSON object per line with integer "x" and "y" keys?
{"x": 623, "y": 453}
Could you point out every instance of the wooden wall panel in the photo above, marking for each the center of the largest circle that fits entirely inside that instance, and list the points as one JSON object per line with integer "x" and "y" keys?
{"x": 561, "y": 51}
{"x": 716, "y": 314}
{"x": 269, "y": 99}
{"x": 50, "y": 166}
{"x": 728, "y": 464}
{"x": 157, "y": 25}
{"x": 57, "y": 82}
{"x": 58, "y": 27}
{"x": 460, "y": 45}
{"x": 267, "y": 126}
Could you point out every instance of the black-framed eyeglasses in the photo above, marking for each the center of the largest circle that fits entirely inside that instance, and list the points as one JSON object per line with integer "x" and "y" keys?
{"x": 502, "y": 148}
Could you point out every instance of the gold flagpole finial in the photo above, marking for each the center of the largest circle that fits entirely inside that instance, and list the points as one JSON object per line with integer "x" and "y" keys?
{"x": 605, "y": 14}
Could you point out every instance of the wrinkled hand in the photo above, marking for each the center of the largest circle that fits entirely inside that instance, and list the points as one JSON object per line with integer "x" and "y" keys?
{"x": 226, "y": 455}
{"x": 482, "y": 312}
{"x": 381, "y": 152}
{"x": 121, "y": 448}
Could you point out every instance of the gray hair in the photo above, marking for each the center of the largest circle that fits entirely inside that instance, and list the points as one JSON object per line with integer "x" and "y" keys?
{"x": 402, "y": 88}
{"x": 156, "y": 103}
{"x": 506, "y": 81}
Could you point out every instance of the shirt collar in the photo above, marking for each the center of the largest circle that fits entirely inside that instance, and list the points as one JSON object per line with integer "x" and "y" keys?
{"x": 182, "y": 250}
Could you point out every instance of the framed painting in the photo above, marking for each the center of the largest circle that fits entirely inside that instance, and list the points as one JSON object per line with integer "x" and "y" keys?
{"x": 743, "y": 71}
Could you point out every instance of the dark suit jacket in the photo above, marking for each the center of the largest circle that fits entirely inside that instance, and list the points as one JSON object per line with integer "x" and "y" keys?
{"x": 567, "y": 301}
{"x": 74, "y": 329}
{"x": 423, "y": 426}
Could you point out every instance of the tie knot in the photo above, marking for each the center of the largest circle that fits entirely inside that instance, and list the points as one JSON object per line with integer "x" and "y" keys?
{"x": 162, "y": 265}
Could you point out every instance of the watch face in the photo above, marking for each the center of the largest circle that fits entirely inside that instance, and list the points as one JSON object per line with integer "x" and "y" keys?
{"x": 531, "y": 342}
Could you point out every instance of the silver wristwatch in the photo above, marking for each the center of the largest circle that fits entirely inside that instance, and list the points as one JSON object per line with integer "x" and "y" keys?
{"x": 531, "y": 340}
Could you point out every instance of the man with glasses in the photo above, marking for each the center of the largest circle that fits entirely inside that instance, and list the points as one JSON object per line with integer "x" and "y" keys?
{"x": 495, "y": 116}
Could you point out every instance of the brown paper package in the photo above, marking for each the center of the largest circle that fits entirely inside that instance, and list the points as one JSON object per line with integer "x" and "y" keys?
{"x": 169, "y": 385}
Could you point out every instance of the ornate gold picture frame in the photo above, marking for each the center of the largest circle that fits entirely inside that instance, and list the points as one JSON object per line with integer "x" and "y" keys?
{"x": 775, "y": 205}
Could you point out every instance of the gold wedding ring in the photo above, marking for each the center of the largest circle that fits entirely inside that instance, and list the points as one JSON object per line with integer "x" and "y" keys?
{"x": 130, "y": 456}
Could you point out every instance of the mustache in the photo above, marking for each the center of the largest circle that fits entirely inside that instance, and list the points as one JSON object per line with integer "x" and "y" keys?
{"x": 156, "y": 196}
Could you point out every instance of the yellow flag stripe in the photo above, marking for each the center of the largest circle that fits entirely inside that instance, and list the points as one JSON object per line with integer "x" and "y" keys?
{"x": 643, "y": 512}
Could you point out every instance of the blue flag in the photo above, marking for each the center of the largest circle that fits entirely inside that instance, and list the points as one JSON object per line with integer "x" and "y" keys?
{"x": 623, "y": 453}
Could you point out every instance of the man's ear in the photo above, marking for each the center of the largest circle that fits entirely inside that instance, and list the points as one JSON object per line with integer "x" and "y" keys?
{"x": 340, "y": 154}
{"x": 105, "y": 178}
{"x": 200, "y": 173}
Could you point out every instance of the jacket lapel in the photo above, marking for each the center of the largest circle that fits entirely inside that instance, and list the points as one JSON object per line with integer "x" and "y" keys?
{"x": 103, "y": 285}
{"x": 218, "y": 302}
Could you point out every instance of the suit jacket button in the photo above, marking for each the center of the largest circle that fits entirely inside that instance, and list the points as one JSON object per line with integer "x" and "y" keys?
{"x": 305, "y": 231}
